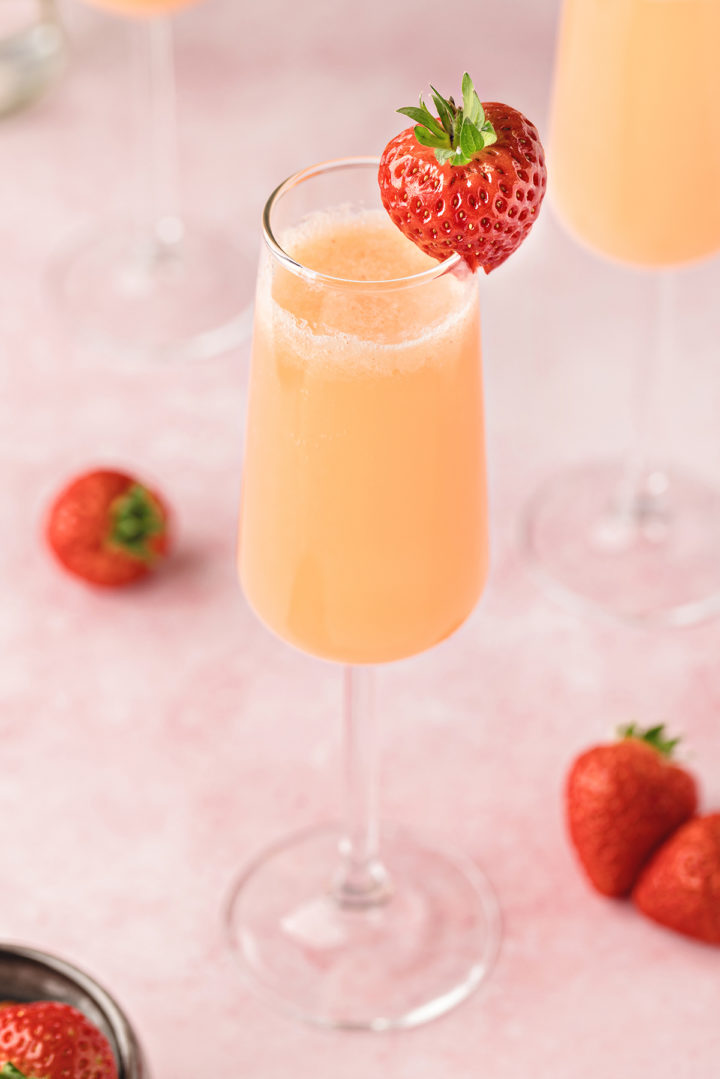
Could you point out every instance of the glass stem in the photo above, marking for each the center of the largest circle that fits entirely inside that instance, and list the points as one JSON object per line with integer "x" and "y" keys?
{"x": 158, "y": 117}
{"x": 644, "y": 485}
{"x": 362, "y": 880}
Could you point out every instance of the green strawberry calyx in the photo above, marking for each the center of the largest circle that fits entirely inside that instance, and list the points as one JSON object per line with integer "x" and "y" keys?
{"x": 653, "y": 736}
{"x": 9, "y": 1071}
{"x": 135, "y": 518}
{"x": 459, "y": 131}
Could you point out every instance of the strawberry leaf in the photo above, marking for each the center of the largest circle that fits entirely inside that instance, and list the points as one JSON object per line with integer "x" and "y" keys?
{"x": 488, "y": 132}
{"x": 423, "y": 116}
{"x": 426, "y": 138}
{"x": 472, "y": 107}
{"x": 135, "y": 518}
{"x": 470, "y": 139}
{"x": 445, "y": 111}
{"x": 9, "y": 1071}
{"x": 653, "y": 736}
{"x": 458, "y": 133}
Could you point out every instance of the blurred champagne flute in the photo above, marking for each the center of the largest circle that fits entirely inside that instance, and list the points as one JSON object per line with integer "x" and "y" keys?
{"x": 164, "y": 287}
{"x": 635, "y": 152}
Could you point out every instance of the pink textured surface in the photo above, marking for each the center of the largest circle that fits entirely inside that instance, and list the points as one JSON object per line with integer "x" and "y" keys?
{"x": 153, "y": 740}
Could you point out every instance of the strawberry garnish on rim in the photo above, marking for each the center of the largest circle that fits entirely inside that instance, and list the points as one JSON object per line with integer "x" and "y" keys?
{"x": 469, "y": 180}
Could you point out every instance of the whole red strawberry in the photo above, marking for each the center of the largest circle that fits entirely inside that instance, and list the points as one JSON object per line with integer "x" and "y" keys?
{"x": 622, "y": 801}
{"x": 49, "y": 1040}
{"x": 108, "y": 528}
{"x": 470, "y": 180}
{"x": 680, "y": 888}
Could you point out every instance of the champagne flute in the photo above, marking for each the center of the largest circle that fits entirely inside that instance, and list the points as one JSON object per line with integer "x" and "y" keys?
{"x": 635, "y": 140}
{"x": 363, "y": 540}
{"x": 165, "y": 287}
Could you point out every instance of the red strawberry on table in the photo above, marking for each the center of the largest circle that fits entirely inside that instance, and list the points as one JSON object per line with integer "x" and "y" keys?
{"x": 108, "y": 528}
{"x": 680, "y": 887}
{"x": 470, "y": 180}
{"x": 49, "y": 1040}
{"x": 622, "y": 800}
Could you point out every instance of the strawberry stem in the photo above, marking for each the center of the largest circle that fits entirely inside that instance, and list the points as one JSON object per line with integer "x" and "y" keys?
{"x": 458, "y": 132}
{"x": 135, "y": 518}
{"x": 653, "y": 736}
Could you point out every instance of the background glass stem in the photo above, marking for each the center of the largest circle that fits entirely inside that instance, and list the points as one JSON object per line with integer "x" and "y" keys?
{"x": 645, "y": 484}
{"x": 362, "y": 880}
{"x": 158, "y": 117}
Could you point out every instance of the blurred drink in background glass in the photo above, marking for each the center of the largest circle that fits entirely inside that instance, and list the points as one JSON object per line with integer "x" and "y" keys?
{"x": 140, "y": 7}
{"x": 32, "y": 51}
{"x": 635, "y": 149}
{"x": 637, "y": 85}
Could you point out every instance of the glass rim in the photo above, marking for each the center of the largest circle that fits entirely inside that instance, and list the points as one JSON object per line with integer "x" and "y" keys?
{"x": 315, "y": 276}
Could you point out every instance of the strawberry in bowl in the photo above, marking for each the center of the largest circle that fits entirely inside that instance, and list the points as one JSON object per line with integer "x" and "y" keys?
{"x": 469, "y": 181}
{"x": 52, "y": 1040}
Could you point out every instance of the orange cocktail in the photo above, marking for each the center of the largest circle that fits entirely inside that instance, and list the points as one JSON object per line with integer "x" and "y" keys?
{"x": 364, "y": 531}
{"x": 363, "y": 539}
{"x": 635, "y": 160}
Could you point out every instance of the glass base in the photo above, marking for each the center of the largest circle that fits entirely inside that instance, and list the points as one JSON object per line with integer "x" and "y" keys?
{"x": 395, "y": 964}
{"x": 179, "y": 293}
{"x": 647, "y": 555}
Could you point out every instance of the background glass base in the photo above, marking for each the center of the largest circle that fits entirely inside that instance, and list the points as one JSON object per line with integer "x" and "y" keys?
{"x": 648, "y": 556}
{"x": 396, "y": 964}
{"x": 182, "y": 293}
{"x": 32, "y": 58}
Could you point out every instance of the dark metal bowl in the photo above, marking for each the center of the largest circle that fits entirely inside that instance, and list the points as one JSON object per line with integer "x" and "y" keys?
{"x": 27, "y": 974}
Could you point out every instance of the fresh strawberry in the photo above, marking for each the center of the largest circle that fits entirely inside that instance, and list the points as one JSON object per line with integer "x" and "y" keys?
{"x": 680, "y": 888}
{"x": 108, "y": 528}
{"x": 49, "y": 1040}
{"x": 470, "y": 181}
{"x": 622, "y": 801}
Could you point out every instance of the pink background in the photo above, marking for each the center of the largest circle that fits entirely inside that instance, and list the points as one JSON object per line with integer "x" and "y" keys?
{"x": 152, "y": 741}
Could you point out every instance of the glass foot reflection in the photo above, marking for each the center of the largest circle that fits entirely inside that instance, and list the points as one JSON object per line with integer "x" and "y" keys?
{"x": 650, "y": 555}
{"x": 398, "y": 963}
{"x": 179, "y": 293}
